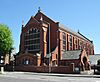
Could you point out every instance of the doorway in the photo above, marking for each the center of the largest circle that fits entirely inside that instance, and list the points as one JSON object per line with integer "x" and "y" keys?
{"x": 85, "y": 66}
{"x": 84, "y": 60}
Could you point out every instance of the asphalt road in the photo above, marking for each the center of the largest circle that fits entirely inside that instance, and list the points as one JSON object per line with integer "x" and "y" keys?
{"x": 36, "y": 77}
{"x": 7, "y": 79}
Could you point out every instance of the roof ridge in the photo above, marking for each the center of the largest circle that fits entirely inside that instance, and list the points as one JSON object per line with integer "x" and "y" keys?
{"x": 44, "y": 15}
{"x": 73, "y": 32}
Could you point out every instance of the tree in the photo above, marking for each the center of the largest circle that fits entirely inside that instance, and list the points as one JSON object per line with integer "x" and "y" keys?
{"x": 6, "y": 40}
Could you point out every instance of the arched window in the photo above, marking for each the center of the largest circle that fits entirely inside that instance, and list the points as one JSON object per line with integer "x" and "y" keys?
{"x": 70, "y": 42}
{"x": 26, "y": 62}
{"x": 64, "y": 40}
{"x": 76, "y": 43}
{"x": 32, "y": 40}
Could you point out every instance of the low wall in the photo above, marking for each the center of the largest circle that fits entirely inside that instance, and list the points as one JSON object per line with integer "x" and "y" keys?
{"x": 30, "y": 68}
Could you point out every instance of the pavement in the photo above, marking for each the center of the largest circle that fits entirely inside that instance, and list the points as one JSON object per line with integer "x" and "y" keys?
{"x": 66, "y": 75}
{"x": 53, "y": 74}
{"x": 47, "y": 77}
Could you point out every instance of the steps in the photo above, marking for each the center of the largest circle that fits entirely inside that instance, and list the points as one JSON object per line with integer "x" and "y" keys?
{"x": 89, "y": 72}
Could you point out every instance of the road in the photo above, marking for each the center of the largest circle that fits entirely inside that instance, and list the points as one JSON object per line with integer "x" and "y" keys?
{"x": 36, "y": 77}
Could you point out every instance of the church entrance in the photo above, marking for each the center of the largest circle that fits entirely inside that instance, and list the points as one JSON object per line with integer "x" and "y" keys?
{"x": 86, "y": 65}
{"x": 84, "y": 60}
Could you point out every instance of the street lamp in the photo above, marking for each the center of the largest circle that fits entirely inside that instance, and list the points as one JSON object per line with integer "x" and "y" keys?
{"x": 49, "y": 50}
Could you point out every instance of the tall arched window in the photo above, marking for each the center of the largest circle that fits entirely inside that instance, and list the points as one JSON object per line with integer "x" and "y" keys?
{"x": 70, "y": 42}
{"x": 64, "y": 40}
{"x": 76, "y": 43}
{"x": 32, "y": 40}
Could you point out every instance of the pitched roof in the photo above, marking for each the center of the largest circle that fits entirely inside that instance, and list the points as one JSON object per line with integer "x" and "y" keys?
{"x": 43, "y": 15}
{"x": 74, "y": 54}
{"x": 73, "y": 32}
{"x": 39, "y": 13}
{"x": 32, "y": 20}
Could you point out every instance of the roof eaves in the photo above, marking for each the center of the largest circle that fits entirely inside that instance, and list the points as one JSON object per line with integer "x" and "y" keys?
{"x": 72, "y": 32}
{"x": 85, "y": 37}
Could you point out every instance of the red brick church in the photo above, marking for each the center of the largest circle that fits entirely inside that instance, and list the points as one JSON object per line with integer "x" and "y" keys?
{"x": 44, "y": 42}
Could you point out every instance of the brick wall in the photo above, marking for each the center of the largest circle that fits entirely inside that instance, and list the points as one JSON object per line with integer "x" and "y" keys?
{"x": 45, "y": 69}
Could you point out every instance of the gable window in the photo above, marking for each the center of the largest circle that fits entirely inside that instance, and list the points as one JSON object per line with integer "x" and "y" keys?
{"x": 32, "y": 40}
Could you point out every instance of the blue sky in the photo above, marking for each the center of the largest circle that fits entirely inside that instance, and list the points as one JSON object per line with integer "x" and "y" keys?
{"x": 75, "y": 14}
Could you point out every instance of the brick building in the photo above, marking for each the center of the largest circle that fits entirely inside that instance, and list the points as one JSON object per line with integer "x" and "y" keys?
{"x": 46, "y": 42}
